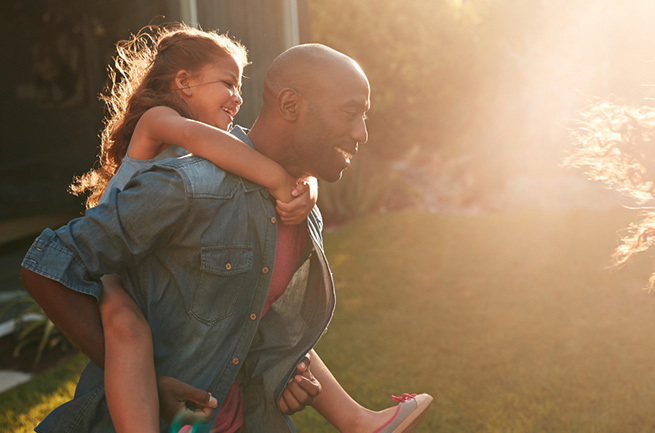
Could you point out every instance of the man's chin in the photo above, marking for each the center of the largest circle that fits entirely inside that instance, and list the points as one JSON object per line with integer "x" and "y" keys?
{"x": 332, "y": 177}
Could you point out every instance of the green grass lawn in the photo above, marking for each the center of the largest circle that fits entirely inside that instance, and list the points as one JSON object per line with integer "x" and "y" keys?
{"x": 511, "y": 321}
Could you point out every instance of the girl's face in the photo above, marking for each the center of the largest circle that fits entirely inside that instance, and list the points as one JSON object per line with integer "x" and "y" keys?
{"x": 215, "y": 92}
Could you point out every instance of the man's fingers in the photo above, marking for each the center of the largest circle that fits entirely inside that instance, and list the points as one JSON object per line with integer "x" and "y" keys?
{"x": 197, "y": 416}
{"x": 308, "y": 384}
{"x": 292, "y": 403}
{"x": 283, "y": 406}
{"x": 198, "y": 407}
{"x": 197, "y": 398}
{"x": 303, "y": 365}
{"x": 303, "y": 390}
{"x": 179, "y": 398}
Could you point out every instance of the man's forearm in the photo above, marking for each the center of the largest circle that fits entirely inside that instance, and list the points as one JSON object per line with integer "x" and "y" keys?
{"x": 75, "y": 314}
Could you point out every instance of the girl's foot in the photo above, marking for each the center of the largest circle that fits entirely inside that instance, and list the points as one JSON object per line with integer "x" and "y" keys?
{"x": 405, "y": 417}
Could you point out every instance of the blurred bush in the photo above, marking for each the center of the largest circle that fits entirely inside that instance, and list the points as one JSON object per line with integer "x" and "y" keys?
{"x": 488, "y": 87}
{"x": 424, "y": 61}
{"x": 369, "y": 185}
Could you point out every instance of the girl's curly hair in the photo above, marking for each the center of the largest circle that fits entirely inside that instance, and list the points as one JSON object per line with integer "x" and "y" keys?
{"x": 615, "y": 144}
{"x": 139, "y": 79}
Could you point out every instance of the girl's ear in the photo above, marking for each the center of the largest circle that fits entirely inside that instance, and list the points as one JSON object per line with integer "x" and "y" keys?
{"x": 183, "y": 82}
{"x": 288, "y": 102}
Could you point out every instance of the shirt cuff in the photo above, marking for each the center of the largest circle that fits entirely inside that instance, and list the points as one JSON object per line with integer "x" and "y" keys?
{"x": 50, "y": 258}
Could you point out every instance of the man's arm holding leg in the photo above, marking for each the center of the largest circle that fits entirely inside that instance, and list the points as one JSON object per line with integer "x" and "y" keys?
{"x": 77, "y": 316}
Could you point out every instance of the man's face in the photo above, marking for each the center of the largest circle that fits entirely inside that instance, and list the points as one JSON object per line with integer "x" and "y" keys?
{"x": 333, "y": 124}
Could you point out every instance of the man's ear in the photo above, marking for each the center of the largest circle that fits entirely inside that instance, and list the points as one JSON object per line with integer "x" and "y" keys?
{"x": 182, "y": 82}
{"x": 288, "y": 102}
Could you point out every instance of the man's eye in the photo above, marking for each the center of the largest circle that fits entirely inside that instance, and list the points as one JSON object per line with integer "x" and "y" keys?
{"x": 356, "y": 115}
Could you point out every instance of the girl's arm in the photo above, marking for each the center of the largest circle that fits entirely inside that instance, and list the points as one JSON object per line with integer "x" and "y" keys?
{"x": 160, "y": 127}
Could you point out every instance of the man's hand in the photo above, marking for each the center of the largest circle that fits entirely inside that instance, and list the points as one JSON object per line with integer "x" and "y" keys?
{"x": 301, "y": 389}
{"x": 176, "y": 396}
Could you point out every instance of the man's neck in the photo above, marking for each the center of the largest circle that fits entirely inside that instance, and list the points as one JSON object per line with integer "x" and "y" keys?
{"x": 271, "y": 142}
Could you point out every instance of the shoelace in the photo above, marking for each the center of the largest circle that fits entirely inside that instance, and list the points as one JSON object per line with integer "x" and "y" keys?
{"x": 403, "y": 398}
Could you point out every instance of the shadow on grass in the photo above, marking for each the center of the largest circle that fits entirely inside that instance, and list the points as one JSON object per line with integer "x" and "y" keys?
{"x": 23, "y": 407}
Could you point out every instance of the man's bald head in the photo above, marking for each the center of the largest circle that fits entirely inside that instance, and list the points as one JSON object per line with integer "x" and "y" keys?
{"x": 314, "y": 112}
{"x": 308, "y": 68}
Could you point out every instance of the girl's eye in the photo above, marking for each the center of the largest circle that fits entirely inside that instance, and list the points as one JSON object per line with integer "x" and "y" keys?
{"x": 233, "y": 87}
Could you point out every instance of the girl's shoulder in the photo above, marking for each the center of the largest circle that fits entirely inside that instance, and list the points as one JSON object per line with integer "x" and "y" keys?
{"x": 159, "y": 110}
{"x": 202, "y": 178}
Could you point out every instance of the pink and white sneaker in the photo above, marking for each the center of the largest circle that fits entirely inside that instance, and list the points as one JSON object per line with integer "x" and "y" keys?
{"x": 410, "y": 412}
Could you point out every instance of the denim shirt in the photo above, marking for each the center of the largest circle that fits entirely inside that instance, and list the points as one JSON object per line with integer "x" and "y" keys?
{"x": 129, "y": 166}
{"x": 195, "y": 247}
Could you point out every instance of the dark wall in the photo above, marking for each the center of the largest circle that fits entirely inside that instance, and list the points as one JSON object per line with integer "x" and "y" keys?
{"x": 55, "y": 58}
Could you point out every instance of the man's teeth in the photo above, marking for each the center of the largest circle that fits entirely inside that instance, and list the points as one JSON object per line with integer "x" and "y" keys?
{"x": 346, "y": 155}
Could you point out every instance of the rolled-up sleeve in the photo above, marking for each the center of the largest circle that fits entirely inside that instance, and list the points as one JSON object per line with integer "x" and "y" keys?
{"x": 112, "y": 236}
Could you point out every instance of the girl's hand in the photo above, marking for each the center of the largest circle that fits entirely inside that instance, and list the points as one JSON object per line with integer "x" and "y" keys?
{"x": 305, "y": 196}
{"x": 281, "y": 187}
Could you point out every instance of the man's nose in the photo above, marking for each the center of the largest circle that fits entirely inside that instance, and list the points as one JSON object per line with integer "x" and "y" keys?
{"x": 360, "y": 133}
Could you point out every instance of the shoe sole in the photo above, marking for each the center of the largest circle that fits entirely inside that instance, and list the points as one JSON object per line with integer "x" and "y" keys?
{"x": 410, "y": 423}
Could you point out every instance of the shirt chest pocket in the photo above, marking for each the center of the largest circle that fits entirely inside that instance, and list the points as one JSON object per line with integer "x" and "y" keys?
{"x": 222, "y": 283}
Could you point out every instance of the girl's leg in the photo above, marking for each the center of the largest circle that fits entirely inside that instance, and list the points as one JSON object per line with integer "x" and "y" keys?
{"x": 336, "y": 406}
{"x": 130, "y": 381}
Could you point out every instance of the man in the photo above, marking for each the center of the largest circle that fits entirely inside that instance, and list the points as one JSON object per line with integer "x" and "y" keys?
{"x": 196, "y": 248}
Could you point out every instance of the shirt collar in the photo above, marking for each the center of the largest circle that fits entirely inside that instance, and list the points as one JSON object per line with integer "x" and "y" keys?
{"x": 242, "y": 134}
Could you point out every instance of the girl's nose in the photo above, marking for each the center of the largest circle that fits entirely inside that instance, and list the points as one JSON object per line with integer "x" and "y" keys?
{"x": 238, "y": 99}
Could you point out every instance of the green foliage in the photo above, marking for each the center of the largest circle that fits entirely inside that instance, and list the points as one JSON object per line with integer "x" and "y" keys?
{"x": 32, "y": 326}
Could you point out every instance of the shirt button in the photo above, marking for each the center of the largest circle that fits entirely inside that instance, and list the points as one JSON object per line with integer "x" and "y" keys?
{"x": 228, "y": 266}
{"x": 235, "y": 361}
{"x": 273, "y": 220}
{"x": 265, "y": 270}
{"x": 253, "y": 316}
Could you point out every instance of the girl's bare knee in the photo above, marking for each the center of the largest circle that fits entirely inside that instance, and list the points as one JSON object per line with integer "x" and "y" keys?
{"x": 125, "y": 324}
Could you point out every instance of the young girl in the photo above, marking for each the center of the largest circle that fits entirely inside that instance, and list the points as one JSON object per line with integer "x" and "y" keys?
{"x": 178, "y": 87}
{"x": 614, "y": 145}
